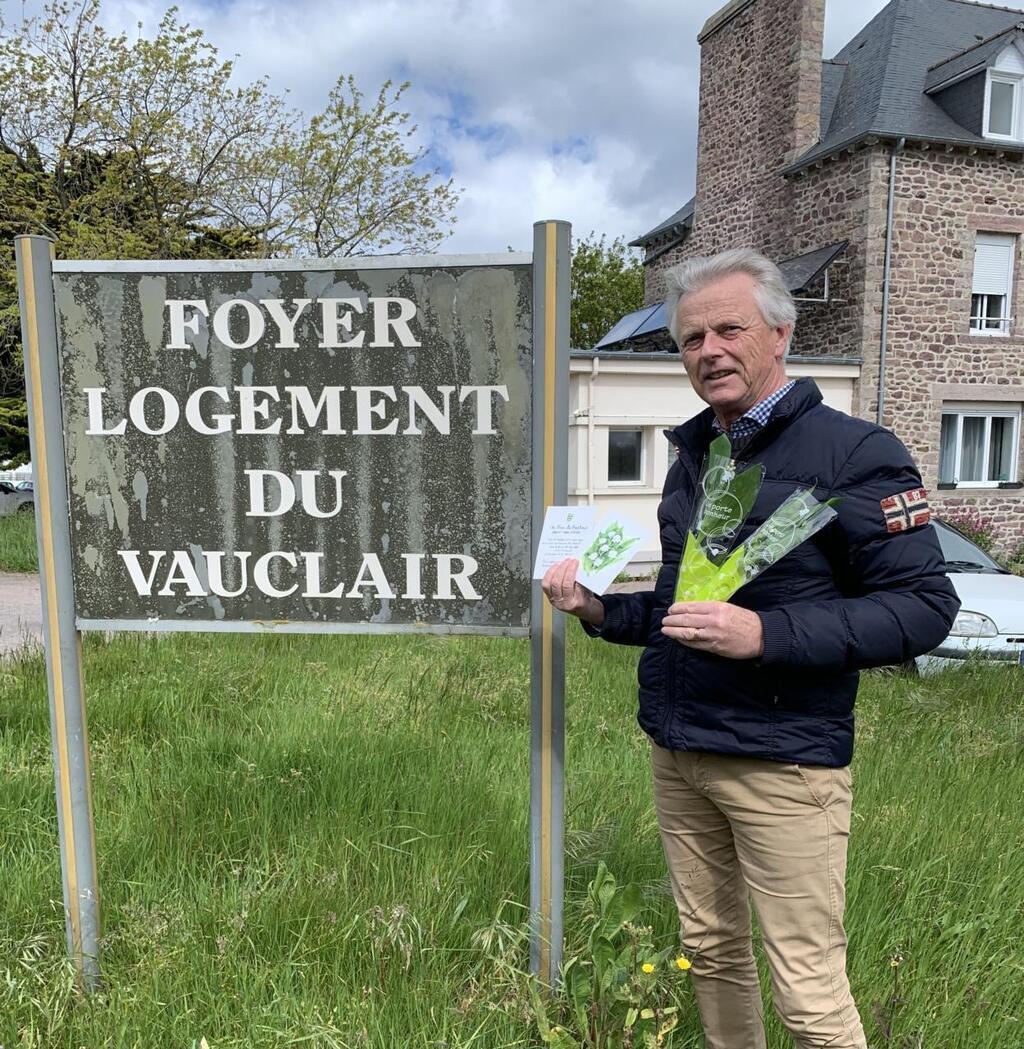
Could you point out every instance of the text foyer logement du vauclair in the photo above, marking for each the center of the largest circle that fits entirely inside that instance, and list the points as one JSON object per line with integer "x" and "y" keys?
{"x": 380, "y": 411}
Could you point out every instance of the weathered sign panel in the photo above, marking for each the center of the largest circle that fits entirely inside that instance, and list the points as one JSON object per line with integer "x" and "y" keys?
{"x": 296, "y": 446}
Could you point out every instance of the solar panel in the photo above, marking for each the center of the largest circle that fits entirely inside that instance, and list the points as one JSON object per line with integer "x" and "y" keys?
{"x": 654, "y": 322}
{"x": 626, "y": 327}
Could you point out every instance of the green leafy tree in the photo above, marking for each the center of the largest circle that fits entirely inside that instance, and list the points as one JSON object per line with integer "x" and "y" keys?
{"x": 346, "y": 181}
{"x": 147, "y": 148}
{"x": 607, "y": 283}
{"x": 24, "y": 201}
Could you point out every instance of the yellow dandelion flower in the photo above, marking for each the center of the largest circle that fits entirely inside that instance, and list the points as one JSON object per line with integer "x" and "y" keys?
{"x": 683, "y": 962}
{"x": 647, "y": 967}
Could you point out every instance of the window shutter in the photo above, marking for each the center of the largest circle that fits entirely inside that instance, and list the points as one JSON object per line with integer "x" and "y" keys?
{"x": 993, "y": 262}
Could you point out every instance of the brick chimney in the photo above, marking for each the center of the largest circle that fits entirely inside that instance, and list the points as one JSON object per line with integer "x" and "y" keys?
{"x": 760, "y": 98}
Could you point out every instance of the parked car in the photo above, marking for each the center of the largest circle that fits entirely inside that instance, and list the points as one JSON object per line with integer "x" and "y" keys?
{"x": 990, "y": 623}
{"x": 24, "y": 486}
{"x": 14, "y": 501}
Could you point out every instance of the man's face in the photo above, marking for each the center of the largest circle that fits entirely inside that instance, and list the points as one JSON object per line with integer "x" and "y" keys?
{"x": 732, "y": 357}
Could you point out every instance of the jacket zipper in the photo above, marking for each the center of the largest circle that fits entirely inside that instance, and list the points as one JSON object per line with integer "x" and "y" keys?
{"x": 674, "y": 652}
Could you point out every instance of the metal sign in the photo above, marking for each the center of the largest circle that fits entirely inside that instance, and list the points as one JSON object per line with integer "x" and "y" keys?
{"x": 283, "y": 445}
{"x": 334, "y": 449}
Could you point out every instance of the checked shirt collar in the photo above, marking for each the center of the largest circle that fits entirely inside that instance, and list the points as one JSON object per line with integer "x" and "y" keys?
{"x": 754, "y": 418}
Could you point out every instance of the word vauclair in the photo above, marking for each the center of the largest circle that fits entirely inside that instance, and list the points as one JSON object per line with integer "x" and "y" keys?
{"x": 182, "y": 574}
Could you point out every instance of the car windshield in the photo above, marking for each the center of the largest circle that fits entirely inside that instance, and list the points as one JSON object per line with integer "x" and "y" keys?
{"x": 961, "y": 554}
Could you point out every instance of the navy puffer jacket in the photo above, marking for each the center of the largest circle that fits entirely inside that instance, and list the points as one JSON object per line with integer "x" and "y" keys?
{"x": 855, "y": 595}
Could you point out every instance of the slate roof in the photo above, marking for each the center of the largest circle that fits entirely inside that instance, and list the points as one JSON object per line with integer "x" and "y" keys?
{"x": 971, "y": 59}
{"x": 832, "y": 74}
{"x": 887, "y": 65}
{"x": 676, "y": 222}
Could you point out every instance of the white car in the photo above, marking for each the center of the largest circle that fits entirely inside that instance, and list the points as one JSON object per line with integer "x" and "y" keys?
{"x": 990, "y": 623}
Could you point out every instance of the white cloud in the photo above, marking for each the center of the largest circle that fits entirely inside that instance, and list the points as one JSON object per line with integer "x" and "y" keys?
{"x": 584, "y": 109}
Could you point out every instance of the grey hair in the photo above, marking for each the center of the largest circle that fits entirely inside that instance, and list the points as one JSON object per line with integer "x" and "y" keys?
{"x": 770, "y": 292}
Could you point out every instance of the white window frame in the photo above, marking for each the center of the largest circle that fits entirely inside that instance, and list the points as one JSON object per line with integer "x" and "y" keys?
{"x": 988, "y": 412}
{"x": 981, "y": 318}
{"x": 641, "y": 481}
{"x": 1015, "y": 80}
{"x": 1006, "y": 320}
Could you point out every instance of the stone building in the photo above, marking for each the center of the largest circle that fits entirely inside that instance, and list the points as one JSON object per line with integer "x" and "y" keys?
{"x": 888, "y": 183}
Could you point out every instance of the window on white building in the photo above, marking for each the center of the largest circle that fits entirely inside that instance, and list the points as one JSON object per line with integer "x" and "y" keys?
{"x": 992, "y": 283}
{"x": 625, "y": 456}
{"x": 978, "y": 446}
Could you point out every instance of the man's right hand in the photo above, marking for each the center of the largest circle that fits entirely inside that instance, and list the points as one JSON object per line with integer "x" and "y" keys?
{"x": 561, "y": 589}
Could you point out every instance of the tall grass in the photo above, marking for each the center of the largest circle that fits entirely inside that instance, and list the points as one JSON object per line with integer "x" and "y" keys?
{"x": 313, "y": 841}
{"x": 18, "y": 543}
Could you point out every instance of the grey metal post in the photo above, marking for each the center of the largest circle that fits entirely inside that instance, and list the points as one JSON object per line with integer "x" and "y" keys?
{"x": 547, "y": 722}
{"x": 63, "y": 641}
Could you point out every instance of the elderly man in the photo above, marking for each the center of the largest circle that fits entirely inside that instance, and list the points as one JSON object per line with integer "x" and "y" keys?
{"x": 749, "y": 703}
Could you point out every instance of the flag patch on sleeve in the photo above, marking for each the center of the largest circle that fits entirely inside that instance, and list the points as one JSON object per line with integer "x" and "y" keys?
{"x": 906, "y": 510}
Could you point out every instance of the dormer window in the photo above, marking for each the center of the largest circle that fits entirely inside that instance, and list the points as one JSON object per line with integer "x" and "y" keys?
{"x": 1004, "y": 113}
{"x": 1002, "y": 116}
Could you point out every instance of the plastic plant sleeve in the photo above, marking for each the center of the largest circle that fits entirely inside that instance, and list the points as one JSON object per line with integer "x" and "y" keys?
{"x": 704, "y": 579}
{"x": 795, "y": 521}
{"x": 708, "y": 571}
{"x": 726, "y": 496}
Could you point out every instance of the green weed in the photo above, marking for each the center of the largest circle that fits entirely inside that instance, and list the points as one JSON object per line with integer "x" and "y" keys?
{"x": 614, "y": 992}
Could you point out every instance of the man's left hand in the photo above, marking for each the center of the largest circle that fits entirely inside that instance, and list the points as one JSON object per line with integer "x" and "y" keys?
{"x": 716, "y": 626}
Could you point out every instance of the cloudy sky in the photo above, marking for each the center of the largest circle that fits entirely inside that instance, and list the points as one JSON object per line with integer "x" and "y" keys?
{"x": 576, "y": 109}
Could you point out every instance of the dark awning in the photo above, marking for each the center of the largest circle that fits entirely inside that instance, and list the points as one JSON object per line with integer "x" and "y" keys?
{"x": 675, "y": 223}
{"x": 647, "y": 329}
{"x": 801, "y": 271}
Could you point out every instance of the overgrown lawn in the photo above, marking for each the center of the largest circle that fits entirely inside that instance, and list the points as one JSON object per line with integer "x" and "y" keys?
{"x": 323, "y": 841}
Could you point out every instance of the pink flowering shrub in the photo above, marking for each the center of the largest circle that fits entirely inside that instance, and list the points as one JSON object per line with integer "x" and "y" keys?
{"x": 980, "y": 530}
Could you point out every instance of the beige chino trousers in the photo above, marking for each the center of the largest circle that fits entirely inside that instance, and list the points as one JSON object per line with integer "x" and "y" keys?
{"x": 736, "y": 829}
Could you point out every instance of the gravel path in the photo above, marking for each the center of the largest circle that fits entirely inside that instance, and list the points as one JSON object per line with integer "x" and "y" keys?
{"x": 21, "y": 616}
